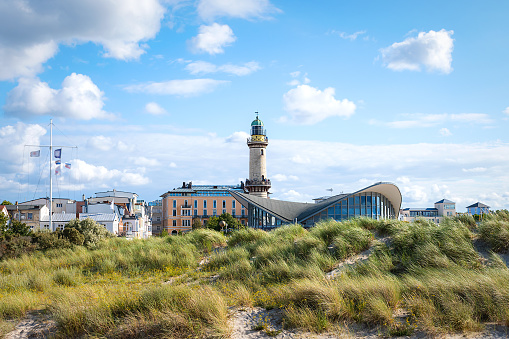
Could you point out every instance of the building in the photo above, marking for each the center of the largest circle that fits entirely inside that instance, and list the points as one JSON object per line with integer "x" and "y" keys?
{"x": 59, "y": 221}
{"x": 443, "y": 208}
{"x": 29, "y": 214}
{"x": 379, "y": 201}
{"x": 478, "y": 208}
{"x": 258, "y": 184}
{"x": 110, "y": 221}
{"x": 155, "y": 212}
{"x": 60, "y": 205}
{"x": 182, "y": 205}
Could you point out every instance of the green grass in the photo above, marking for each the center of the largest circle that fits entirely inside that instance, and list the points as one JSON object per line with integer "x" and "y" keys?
{"x": 431, "y": 274}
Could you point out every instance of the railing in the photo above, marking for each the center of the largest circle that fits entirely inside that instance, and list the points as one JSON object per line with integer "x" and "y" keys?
{"x": 264, "y": 139}
{"x": 263, "y": 182}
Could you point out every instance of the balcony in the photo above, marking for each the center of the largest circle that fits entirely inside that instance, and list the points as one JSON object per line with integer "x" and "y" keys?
{"x": 186, "y": 206}
{"x": 258, "y": 139}
{"x": 263, "y": 182}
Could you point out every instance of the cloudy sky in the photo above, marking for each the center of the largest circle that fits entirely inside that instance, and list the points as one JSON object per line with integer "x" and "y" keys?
{"x": 158, "y": 92}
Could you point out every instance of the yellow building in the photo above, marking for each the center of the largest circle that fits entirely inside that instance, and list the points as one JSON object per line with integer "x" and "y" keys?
{"x": 182, "y": 205}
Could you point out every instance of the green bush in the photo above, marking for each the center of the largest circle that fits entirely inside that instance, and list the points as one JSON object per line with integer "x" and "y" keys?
{"x": 15, "y": 246}
{"x": 93, "y": 232}
{"x": 50, "y": 240}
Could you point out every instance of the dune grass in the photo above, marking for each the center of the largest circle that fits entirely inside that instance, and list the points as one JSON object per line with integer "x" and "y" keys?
{"x": 424, "y": 277}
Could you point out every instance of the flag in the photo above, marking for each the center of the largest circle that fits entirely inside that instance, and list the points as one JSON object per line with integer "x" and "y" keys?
{"x": 68, "y": 165}
{"x": 58, "y": 162}
{"x": 35, "y": 153}
{"x": 57, "y": 170}
{"x": 58, "y": 153}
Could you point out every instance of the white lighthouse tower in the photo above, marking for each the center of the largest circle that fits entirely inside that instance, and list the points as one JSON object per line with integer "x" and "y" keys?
{"x": 258, "y": 184}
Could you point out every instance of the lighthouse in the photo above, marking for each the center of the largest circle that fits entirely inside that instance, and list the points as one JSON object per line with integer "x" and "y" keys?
{"x": 258, "y": 184}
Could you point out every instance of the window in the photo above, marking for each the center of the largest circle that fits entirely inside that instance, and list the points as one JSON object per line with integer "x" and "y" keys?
{"x": 174, "y": 223}
{"x": 186, "y": 222}
{"x": 174, "y": 213}
{"x": 243, "y": 212}
{"x": 195, "y": 213}
{"x": 233, "y": 203}
{"x": 214, "y": 212}
{"x": 214, "y": 204}
{"x": 158, "y": 218}
{"x": 233, "y": 213}
{"x": 174, "y": 203}
{"x": 204, "y": 203}
{"x": 196, "y": 204}
{"x": 261, "y": 152}
{"x": 243, "y": 222}
{"x": 59, "y": 205}
{"x": 224, "y": 211}
{"x": 204, "y": 213}
{"x": 224, "y": 203}
{"x": 185, "y": 203}
{"x": 30, "y": 216}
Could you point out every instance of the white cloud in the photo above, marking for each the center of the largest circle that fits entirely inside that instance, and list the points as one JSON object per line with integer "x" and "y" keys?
{"x": 475, "y": 170}
{"x": 203, "y": 67}
{"x": 283, "y": 177}
{"x": 506, "y": 111}
{"x": 430, "y": 120}
{"x": 297, "y": 82}
{"x": 172, "y": 165}
{"x": 35, "y": 30}
{"x": 346, "y": 36}
{"x": 12, "y": 143}
{"x": 142, "y": 161}
{"x": 189, "y": 87}
{"x": 432, "y": 50}
{"x": 100, "y": 175}
{"x": 101, "y": 143}
{"x": 154, "y": 109}
{"x": 211, "y": 39}
{"x": 292, "y": 195}
{"x": 445, "y": 132}
{"x": 308, "y": 105}
{"x": 245, "y": 9}
{"x": 79, "y": 98}
{"x": 25, "y": 61}
{"x": 238, "y": 137}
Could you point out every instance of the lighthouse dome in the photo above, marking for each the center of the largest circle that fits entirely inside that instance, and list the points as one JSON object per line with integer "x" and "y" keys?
{"x": 257, "y": 122}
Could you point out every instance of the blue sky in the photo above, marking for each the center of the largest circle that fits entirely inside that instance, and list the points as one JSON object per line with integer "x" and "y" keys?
{"x": 155, "y": 93}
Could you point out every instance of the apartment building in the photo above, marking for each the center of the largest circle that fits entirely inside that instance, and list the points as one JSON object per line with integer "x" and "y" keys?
{"x": 182, "y": 205}
{"x": 443, "y": 208}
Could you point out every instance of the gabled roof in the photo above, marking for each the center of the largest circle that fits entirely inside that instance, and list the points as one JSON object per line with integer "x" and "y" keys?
{"x": 445, "y": 201}
{"x": 59, "y": 217}
{"x": 99, "y": 217}
{"x": 24, "y": 207}
{"x": 478, "y": 204}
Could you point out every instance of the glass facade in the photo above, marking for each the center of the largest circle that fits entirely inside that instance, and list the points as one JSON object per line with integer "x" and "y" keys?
{"x": 371, "y": 205}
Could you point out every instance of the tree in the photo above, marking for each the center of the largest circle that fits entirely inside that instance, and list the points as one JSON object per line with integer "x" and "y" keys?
{"x": 3, "y": 223}
{"x": 226, "y": 217}
{"x": 19, "y": 228}
{"x": 6, "y": 202}
{"x": 196, "y": 223}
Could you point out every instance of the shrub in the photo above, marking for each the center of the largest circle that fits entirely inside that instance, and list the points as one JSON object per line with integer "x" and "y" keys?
{"x": 74, "y": 236}
{"x": 92, "y": 231}
{"x": 50, "y": 240}
{"x": 15, "y": 246}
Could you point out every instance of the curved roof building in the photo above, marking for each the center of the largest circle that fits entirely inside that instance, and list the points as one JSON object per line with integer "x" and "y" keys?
{"x": 378, "y": 201}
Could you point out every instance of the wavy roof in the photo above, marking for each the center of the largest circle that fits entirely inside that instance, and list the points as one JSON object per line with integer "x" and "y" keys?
{"x": 289, "y": 210}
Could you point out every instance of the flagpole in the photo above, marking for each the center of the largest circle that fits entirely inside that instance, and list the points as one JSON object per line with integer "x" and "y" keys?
{"x": 50, "y": 175}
